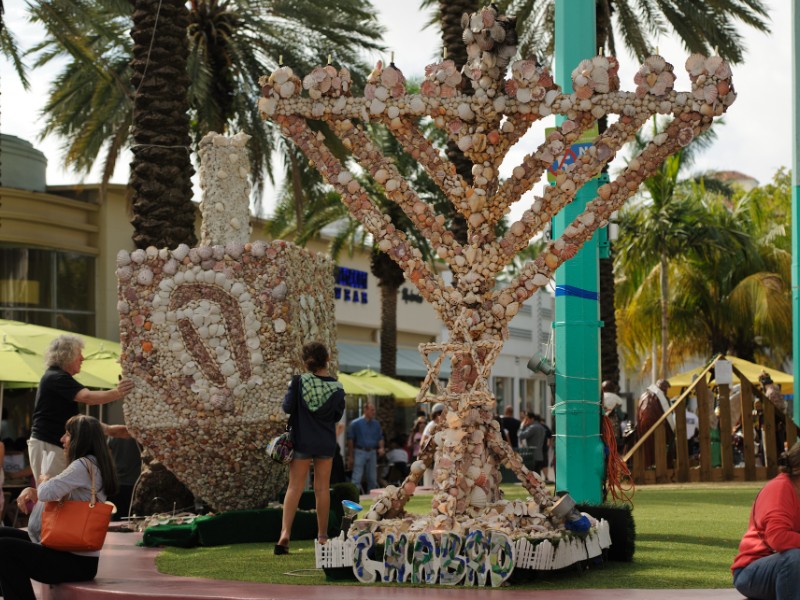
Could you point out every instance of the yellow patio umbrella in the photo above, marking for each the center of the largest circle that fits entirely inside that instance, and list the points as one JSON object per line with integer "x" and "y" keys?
{"x": 750, "y": 370}
{"x": 390, "y": 386}
{"x": 359, "y": 387}
{"x": 22, "y": 350}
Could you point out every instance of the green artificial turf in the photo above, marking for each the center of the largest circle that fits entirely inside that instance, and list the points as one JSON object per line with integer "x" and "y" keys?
{"x": 686, "y": 537}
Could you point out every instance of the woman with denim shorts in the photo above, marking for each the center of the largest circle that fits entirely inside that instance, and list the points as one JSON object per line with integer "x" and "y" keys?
{"x": 318, "y": 400}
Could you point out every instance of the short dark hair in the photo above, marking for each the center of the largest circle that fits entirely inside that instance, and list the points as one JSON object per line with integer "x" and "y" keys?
{"x": 790, "y": 461}
{"x": 315, "y": 356}
{"x": 87, "y": 439}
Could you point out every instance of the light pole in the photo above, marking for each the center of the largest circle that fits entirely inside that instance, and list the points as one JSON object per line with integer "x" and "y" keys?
{"x": 579, "y": 451}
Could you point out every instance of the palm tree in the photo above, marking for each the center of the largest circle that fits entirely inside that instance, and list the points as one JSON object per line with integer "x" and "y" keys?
{"x": 231, "y": 45}
{"x": 702, "y": 26}
{"x": 667, "y": 225}
{"x": 733, "y": 298}
{"x": 738, "y": 298}
{"x": 161, "y": 171}
{"x": 10, "y": 49}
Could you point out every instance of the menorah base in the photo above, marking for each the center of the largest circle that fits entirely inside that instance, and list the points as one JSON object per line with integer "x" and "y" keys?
{"x": 479, "y": 557}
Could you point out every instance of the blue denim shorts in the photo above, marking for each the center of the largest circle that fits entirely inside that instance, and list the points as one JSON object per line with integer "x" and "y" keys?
{"x": 303, "y": 456}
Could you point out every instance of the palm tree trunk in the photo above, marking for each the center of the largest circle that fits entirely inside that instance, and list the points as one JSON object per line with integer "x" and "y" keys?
{"x": 453, "y": 41}
{"x": 664, "y": 316}
{"x": 609, "y": 357}
{"x": 298, "y": 192}
{"x": 389, "y": 329}
{"x": 390, "y": 277}
{"x": 161, "y": 171}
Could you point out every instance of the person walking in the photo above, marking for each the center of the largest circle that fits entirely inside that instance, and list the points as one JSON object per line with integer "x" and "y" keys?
{"x": 533, "y": 433}
{"x": 415, "y": 437}
{"x": 365, "y": 444}
{"x": 57, "y": 399}
{"x": 22, "y": 556}
{"x": 511, "y": 424}
{"x": 317, "y": 400}
{"x": 768, "y": 562}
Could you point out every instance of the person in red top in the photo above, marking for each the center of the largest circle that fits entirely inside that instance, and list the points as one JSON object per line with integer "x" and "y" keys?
{"x": 768, "y": 564}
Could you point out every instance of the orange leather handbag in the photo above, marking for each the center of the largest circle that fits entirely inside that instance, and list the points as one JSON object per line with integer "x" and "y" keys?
{"x": 75, "y": 525}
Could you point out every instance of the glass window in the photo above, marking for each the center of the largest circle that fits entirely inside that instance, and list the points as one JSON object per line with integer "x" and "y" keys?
{"x": 48, "y": 287}
{"x": 74, "y": 281}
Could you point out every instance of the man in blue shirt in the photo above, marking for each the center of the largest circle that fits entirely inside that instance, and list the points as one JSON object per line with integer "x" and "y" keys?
{"x": 364, "y": 445}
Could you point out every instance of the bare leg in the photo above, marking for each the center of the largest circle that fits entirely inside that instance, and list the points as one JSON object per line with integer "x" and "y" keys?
{"x": 322, "y": 492}
{"x": 298, "y": 471}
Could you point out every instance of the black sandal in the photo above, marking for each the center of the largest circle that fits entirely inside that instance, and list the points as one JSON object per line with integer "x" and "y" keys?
{"x": 280, "y": 549}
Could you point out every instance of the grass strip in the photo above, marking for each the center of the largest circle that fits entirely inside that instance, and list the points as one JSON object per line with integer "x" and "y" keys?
{"x": 686, "y": 537}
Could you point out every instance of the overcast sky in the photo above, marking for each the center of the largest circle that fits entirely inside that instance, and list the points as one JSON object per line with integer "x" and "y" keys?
{"x": 755, "y": 138}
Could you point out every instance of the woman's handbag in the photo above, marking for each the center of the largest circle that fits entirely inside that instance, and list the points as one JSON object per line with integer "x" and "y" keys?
{"x": 76, "y": 525}
{"x": 281, "y": 448}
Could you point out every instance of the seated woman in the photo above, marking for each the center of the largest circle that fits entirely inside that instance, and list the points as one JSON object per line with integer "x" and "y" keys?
{"x": 22, "y": 557}
{"x": 768, "y": 562}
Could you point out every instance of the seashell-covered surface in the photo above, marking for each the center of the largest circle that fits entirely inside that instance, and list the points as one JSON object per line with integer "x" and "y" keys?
{"x": 211, "y": 336}
{"x": 224, "y": 179}
{"x": 467, "y": 450}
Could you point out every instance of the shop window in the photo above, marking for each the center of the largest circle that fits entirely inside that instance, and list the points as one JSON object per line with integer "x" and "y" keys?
{"x": 48, "y": 287}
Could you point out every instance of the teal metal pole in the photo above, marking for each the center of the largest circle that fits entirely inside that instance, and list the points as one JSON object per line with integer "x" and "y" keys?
{"x": 579, "y": 451}
{"x": 795, "y": 208}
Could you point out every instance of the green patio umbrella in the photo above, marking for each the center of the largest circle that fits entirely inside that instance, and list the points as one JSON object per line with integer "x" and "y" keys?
{"x": 22, "y": 350}
{"x": 391, "y": 386}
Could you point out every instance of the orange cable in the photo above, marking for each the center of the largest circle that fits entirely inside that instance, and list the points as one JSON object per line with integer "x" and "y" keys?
{"x": 616, "y": 468}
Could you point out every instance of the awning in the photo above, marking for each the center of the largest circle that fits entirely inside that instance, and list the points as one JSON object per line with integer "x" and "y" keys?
{"x": 355, "y": 357}
{"x": 748, "y": 369}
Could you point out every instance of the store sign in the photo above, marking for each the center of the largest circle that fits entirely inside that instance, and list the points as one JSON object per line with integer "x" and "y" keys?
{"x": 350, "y": 285}
{"x": 409, "y": 295}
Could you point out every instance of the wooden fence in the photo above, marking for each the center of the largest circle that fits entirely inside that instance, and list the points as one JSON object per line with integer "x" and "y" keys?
{"x": 686, "y": 469}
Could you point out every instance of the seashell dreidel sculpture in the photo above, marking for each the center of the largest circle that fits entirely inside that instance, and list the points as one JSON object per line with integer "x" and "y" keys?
{"x": 467, "y": 450}
{"x": 212, "y": 335}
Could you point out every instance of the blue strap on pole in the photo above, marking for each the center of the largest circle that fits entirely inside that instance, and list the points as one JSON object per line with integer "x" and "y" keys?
{"x": 569, "y": 290}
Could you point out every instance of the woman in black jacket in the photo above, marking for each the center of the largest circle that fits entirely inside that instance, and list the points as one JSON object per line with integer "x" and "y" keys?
{"x": 317, "y": 400}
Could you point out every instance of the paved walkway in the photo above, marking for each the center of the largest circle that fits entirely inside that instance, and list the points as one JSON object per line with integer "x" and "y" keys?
{"x": 128, "y": 572}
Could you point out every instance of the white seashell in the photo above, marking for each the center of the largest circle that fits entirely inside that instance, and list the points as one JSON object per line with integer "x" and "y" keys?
{"x": 478, "y": 498}
{"x": 181, "y": 252}
{"x": 123, "y": 258}
{"x": 279, "y": 325}
{"x": 465, "y": 112}
{"x": 144, "y": 276}
{"x": 138, "y": 256}
{"x": 376, "y": 107}
{"x": 124, "y": 273}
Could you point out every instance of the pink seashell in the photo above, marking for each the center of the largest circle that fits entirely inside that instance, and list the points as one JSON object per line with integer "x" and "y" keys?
{"x": 390, "y": 77}
{"x": 569, "y": 251}
{"x": 447, "y": 91}
{"x": 428, "y": 88}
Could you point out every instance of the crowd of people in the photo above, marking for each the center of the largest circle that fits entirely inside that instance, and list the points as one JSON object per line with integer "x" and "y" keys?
{"x": 66, "y": 451}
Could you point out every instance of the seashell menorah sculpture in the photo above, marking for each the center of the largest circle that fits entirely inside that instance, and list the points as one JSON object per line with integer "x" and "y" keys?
{"x": 468, "y": 449}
